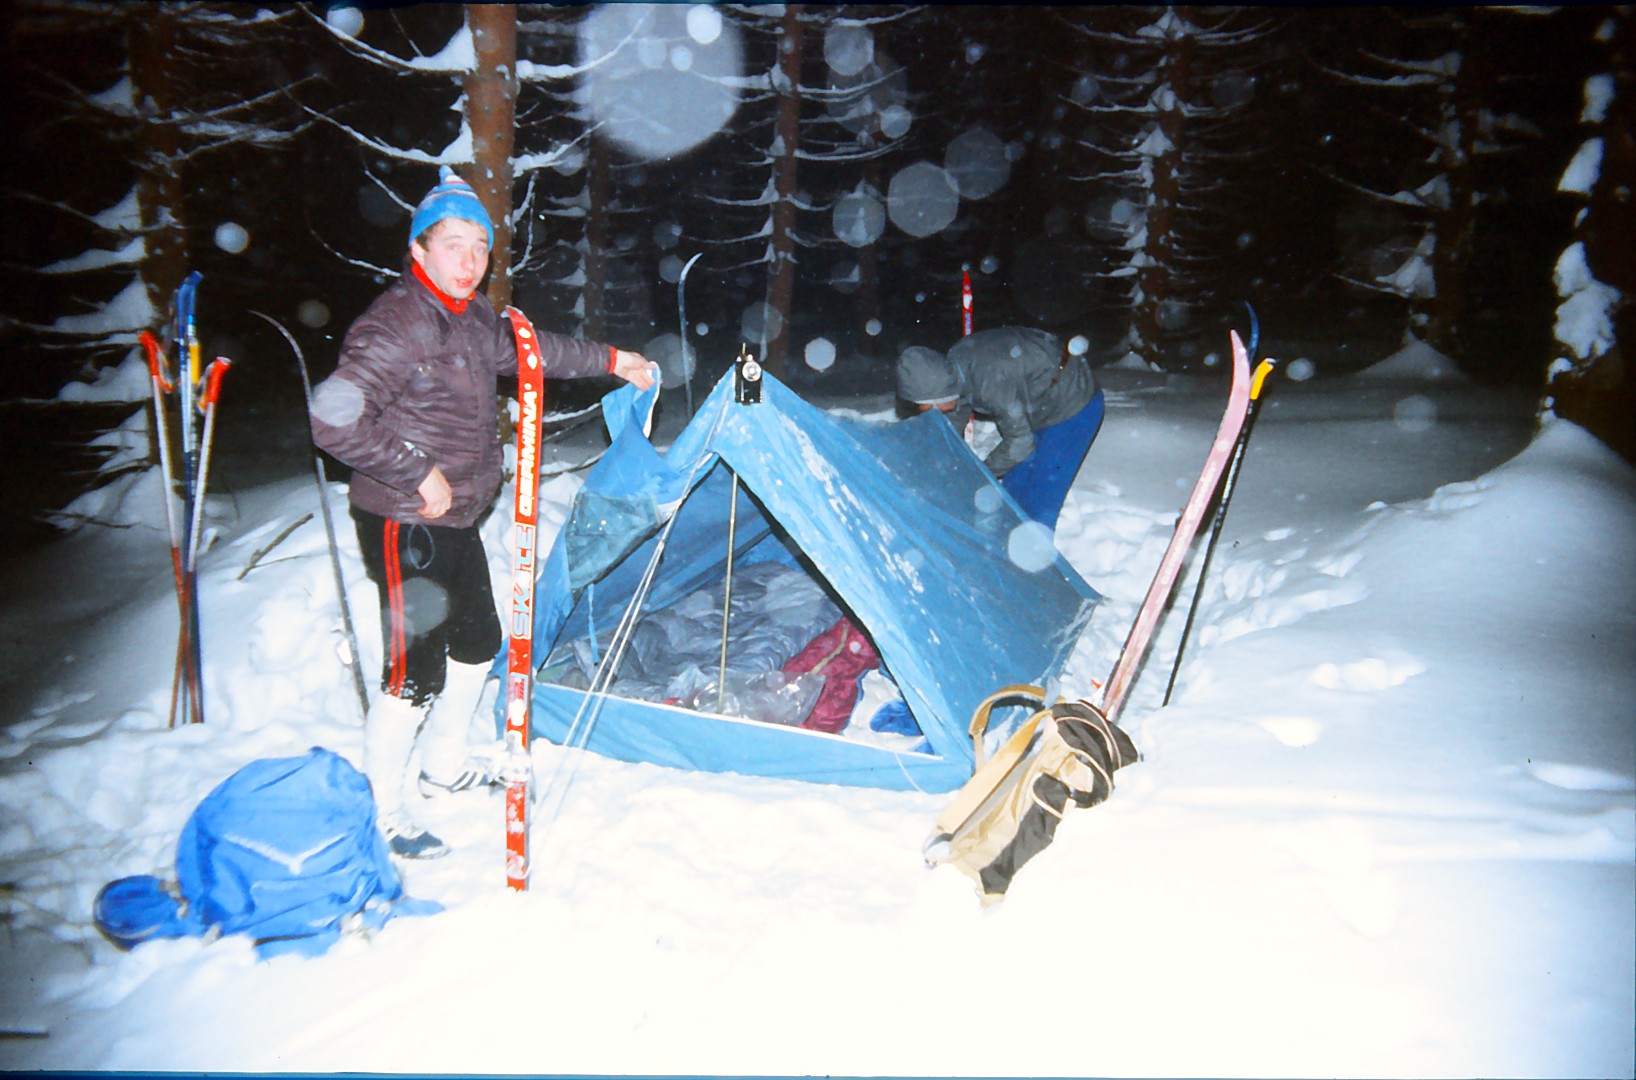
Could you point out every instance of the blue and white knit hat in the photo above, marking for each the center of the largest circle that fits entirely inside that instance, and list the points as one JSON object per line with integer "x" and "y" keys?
{"x": 451, "y": 198}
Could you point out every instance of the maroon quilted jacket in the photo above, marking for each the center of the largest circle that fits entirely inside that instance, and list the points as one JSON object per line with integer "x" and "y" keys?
{"x": 416, "y": 387}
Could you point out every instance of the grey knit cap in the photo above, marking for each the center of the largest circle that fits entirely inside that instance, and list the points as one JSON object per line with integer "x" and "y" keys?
{"x": 927, "y": 377}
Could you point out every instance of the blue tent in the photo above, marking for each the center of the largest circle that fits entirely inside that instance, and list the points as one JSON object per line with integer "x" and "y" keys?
{"x": 901, "y": 523}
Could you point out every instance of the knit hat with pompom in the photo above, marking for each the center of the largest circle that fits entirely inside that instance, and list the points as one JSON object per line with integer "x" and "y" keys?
{"x": 452, "y": 197}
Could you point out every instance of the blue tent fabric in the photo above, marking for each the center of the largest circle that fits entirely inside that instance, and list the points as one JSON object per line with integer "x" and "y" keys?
{"x": 286, "y": 850}
{"x": 901, "y": 521}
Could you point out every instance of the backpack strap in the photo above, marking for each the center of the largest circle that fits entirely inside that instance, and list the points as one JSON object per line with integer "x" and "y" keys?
{"x": 989, "y": 776}
{"x": 1033, "y": 695}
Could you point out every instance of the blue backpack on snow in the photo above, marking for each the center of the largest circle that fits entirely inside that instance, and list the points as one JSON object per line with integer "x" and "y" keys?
{"x": 285, "y": 850}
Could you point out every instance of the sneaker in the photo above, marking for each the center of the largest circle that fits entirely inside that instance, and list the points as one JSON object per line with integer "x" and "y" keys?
{"x": 476, "y": 773}
{"x": 407, "y": 840}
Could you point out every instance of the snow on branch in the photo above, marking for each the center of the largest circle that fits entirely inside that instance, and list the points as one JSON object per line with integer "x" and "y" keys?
{"x": 1442, "y": 68}
{"x": 398, "y": 152}
{"x": 845, "y": 153}
{"x": 1584, "y": 320}
{"x": 130, "y": 311}
{"x": 123, "y": 216}
{"x": 1584, "y": 170}
{"x": 100, "y": 259}
{"x": 237, "y": 106}
{"x": 1599, "y": 94}
{"x": 457, "y": 57}
{"x": 767, "y": 198}
{"x": 382, "y": 271}
{"x": 386, "y": 189}
{"x": 1371, "y": 286}
{"x": 556, "y": 155}
{"x": 1433, "y": 194}
{"x": 1399, "y": 198}
{"x": 530, "y": 72}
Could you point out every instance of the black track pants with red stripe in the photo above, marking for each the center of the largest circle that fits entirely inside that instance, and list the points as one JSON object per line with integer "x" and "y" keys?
{"x": 436, "y": 601}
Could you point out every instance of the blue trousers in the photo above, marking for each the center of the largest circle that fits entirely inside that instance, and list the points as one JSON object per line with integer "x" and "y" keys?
{"x": 1040, "y": 482}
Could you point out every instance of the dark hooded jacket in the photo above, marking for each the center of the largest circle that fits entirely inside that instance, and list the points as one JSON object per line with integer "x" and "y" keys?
{"x": 416, "y": 387}
{"x": 1020, "y": 377}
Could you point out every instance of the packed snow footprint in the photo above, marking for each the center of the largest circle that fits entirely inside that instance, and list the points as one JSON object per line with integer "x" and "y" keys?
{"x": 1261, "y": 585}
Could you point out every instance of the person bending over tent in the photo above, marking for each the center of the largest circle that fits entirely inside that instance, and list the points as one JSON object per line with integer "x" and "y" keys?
{"x": 1043, "y": 398}
{"x": 412, "y": 410}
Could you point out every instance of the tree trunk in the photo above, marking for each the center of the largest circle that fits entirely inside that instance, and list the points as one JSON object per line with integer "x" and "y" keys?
{"x": 1164, "y": 192}
{"x": 599, "y": 181}
{"x": 1436, "y": 318}
{"x": 491, "y": 113}
{"x": 781, "y": 287}
{"x": 150, "y": 37}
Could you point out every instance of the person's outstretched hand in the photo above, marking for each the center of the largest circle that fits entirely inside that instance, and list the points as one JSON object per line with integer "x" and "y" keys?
{"x": 635, "y": 368}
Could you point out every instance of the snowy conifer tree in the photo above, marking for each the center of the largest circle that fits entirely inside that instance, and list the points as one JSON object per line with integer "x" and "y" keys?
{"x": 1425, "y": 124}
{"x": 1162, "y": 97}
{"x": 392, "y": 50}
{"x": 188, "y": 88}
{"x": 821, "y": 103}
{"x": 1595, "y": 276}
{"x": 153, "y": 95}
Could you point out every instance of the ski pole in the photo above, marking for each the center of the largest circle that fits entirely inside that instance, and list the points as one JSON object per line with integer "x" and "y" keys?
{"x": 1263, "y": 371}
{"x": 188, "y": 657}
{"x": 162, "y": 386}
{"x": 191, "y": 386}
{"x": 212, "y": 391}
{"x": 329, "y": 523}
{"x": 681, "y": 315}
{"x": 185, "y": 693}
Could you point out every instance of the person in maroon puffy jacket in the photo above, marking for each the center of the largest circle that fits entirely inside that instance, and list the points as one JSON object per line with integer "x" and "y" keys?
{"x": 412, "y": 409}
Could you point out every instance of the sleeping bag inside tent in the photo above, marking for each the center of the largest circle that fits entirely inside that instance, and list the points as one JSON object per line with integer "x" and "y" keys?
{"x": 862, "y": 587}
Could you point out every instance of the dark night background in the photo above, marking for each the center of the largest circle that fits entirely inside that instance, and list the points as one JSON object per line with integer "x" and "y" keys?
{"x": 1289, "y": 220}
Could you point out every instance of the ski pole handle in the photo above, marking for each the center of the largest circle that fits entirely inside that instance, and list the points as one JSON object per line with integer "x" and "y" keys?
{"x": 186, "y": 344}
{"x": 156, "y": 362}
{"x": 190, "y": 331}
{"x": 1263, "y": 371}
{"x": 213, "y": 381}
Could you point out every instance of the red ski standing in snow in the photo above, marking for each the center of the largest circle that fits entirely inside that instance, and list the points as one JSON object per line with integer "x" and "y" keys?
{"x": 412, "y": 409}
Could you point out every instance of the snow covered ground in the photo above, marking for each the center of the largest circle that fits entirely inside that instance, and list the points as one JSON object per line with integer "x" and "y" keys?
{"x": 1386, "y": 828}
